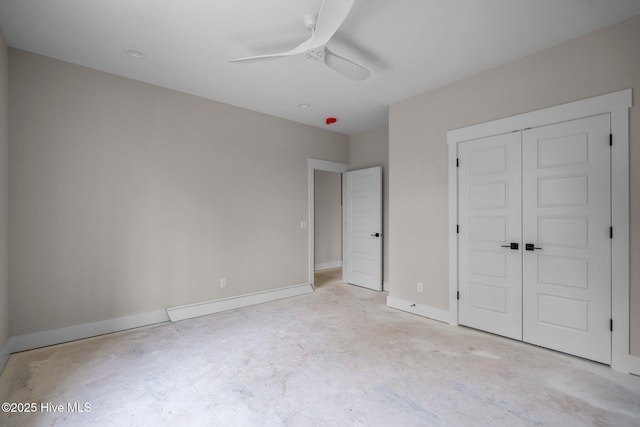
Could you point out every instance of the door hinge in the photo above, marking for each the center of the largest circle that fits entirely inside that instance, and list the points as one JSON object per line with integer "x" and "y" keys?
{"x": 610, "y": 139}
{"x": 458, "y": 295}
{"x": 611, "y": 325}
{"x": 458, "y": 229}
{"x": 458, "y": 163}
{"x": 611, "y": 232}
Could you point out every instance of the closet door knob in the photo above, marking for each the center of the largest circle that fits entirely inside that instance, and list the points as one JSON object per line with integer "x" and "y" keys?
{"x": 512, "y": 245}
{"x": 530, "y": 247}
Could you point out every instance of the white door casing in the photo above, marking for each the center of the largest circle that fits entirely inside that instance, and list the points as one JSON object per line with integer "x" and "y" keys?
{"x": 567, "y": 218}
{"x": 490, "y": 220}
{"x": 362, "y": 215}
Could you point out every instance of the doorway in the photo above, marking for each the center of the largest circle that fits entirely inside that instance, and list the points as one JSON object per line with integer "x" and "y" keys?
{"x": 313, "y": 166}
{"x": 327, "y": 227}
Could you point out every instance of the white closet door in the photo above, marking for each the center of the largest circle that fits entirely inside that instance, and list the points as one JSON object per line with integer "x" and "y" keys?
{"x": 490, "y": 275}
{"x": 566, "y": 217}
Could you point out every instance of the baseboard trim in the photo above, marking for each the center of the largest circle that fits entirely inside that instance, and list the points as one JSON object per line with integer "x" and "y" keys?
{"x": 35, "y": 340}
{"x": 328, "y": 265}
{"x": 629, "y": 363}
{"x": 419, "y": 309}
{"x": 634, "y": 365}
{"x": 210, "y": 307}
{"x": 72, "y": 333}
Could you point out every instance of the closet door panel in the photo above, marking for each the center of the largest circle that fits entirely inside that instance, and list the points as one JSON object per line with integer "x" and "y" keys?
{"x": 490, "y": 220}
{"x": 566, "y": 220}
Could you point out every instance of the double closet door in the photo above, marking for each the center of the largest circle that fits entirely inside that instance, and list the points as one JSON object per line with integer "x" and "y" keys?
{"x": 534, "y": 242}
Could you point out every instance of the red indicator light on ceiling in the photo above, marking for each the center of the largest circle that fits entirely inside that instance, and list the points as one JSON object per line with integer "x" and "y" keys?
{"x": 331, "y": 120}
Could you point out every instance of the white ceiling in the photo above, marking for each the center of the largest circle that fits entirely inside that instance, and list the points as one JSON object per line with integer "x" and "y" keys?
{"x": 410, "y": 46}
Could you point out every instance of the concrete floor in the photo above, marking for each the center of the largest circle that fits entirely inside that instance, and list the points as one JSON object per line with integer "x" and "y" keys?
{"x": 336, "y": 357}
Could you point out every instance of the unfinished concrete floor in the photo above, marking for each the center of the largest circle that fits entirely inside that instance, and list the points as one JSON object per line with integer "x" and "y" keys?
{"x": 336, "y": 357}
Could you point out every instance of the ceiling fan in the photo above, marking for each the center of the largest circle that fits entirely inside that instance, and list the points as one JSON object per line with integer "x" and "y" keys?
{"x": 323, "y": 26}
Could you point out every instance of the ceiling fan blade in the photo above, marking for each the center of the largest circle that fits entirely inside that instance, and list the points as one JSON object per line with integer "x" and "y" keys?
{"x": 345, "y": 67}
{"x": 332, "y": 14}
{"x": 301, "y": 48}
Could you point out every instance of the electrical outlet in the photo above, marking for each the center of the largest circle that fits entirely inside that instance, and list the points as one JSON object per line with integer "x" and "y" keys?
{"x": 420, "y": 287}
{"x": 223, "y": 283}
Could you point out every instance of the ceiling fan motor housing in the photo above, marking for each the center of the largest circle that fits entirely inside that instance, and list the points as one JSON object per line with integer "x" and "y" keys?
{"x": 310, "y": 21}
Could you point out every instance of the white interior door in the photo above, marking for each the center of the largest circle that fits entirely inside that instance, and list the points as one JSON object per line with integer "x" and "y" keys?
{"x": 362, "y": 195}
{"x": 566, "y": 220}
{"x": 490, "y": 275}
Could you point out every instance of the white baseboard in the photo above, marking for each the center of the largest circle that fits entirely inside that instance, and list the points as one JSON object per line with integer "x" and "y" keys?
{"x": 72, "y": 333}
{"x": 419, "y": 309}
{"x": 328, "y": 265}
{"x": 86, "y": 330}
{"x": 216, "y": 306}
{"x": 629, "y": 363}
{"x": 634, "y": 365}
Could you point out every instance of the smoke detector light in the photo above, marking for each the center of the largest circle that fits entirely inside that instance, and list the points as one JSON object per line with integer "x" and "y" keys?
{"x": 135, "y": 53}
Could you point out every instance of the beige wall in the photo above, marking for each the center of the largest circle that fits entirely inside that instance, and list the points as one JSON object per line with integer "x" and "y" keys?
{"x": 4, "y": 187}
{"x": 594, "y": 64}
{"x": 369, "y": 149}
{"x": 328, "y": 217}
{"x": 128, "y": 198}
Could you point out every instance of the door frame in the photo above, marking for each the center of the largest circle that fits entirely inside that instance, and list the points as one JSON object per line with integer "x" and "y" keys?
{"x": 616, "y": 104}
{"x": 313, "y": 165}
